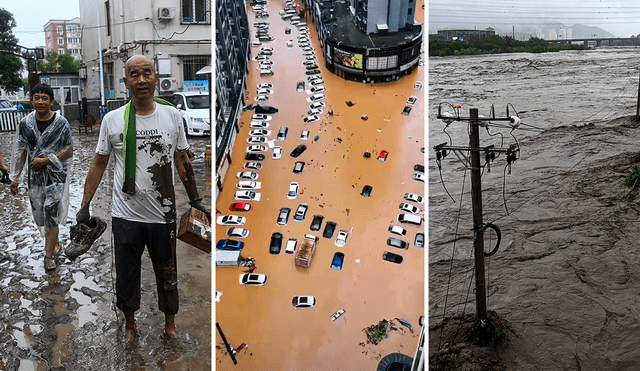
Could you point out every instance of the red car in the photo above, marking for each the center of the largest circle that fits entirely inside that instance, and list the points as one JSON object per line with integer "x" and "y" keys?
{"x": 383, "y": 155}
{"x": 240, "y": 206}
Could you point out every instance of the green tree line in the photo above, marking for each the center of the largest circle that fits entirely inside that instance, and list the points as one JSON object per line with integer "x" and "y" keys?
{"x": 496, "y": 44}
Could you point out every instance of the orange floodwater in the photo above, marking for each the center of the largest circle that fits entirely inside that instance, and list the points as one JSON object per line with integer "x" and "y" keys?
{"x": 279, "y": 337}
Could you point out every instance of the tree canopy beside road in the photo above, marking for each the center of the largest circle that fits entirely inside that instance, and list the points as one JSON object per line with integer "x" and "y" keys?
{"x": 496, "y": 44}
{"x": 10, "y": 65}
{"x": 54, "y": 62}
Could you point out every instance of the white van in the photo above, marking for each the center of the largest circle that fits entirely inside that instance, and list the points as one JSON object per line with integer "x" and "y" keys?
{"x": 410, "y": 219}
{"x": 291, "y": 246}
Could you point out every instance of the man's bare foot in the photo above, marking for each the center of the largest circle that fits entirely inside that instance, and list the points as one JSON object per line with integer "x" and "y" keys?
{"x": 130, "y": 327}
{"x": 170, "y": 326}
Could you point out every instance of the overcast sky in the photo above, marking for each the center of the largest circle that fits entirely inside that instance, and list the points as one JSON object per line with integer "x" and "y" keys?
{"x": 32, "y": 15}
{"x": 620, "y": 17}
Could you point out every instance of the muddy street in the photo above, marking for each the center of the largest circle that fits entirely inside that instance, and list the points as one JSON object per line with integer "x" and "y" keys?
{"x": 278, "y": 336}
{"x": 565, "y": 277}
{"x": 66, "y": 319}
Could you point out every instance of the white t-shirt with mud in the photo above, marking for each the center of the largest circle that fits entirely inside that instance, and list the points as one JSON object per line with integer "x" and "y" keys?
{"x": 159, "y": 135}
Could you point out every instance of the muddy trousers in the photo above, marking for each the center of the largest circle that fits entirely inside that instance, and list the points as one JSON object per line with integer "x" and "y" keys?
{"x": 130, "y": 239}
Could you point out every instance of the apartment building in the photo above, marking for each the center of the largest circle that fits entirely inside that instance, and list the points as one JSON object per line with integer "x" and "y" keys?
{"x": 63, "y": 36}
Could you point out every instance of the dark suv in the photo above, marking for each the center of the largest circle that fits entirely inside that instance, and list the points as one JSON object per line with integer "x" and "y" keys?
{"x": 394, "y": 242}
{"x": 276, "y": 243}
{"x": 316, "y": 222}
{"x": 329, "y": 228}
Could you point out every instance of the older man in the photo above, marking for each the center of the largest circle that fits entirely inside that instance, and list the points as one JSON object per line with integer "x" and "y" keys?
{"x": 148, "y": 141}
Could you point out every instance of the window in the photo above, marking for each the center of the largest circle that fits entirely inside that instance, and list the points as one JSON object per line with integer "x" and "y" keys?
{"x": 60, "y": 41}
{"x": 196, "y": 11}
{"x": 73, "y": 40}
{"x": 60, "y": 51}
{"x": 192, "y": 64}
{"x": 72, "y": 28}
{"x": 59, "y": 29}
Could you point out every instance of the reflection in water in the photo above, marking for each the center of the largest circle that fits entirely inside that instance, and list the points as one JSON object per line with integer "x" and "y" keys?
{"x": 278, "y": 336}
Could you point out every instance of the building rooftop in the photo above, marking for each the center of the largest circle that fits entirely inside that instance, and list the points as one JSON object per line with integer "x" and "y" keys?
{"x": 343, "y": 28}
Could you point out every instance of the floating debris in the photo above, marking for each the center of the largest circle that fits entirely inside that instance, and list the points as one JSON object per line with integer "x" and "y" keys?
{"x": 350, "y": 103}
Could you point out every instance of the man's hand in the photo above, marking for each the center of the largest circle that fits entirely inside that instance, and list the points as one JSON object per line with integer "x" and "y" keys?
{"x": 39, "y": 162}
{"x": 14, "y": 188}
{"x": 83, "y": 215}
{"x": 197, "y": 204}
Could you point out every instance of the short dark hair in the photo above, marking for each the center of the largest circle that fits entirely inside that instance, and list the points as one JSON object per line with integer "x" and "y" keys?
{"x": 42, "y": 88}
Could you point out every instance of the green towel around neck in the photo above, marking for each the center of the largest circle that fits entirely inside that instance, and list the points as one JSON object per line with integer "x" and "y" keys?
{"x": 129, "y": 146}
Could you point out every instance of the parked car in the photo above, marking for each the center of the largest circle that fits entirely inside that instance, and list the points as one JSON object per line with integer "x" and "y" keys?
{"x": 259, "y": 132}
{"x": 256, "y": 148}
{"x": 231, "y": 220}
{"x": 291, "y": 246}
{"x": 391, "y": 257}
{"x": 300, "y": 86}
{"x": 304, "y": 301}
{"x": 258, "y": 124}
{"x": 319, "y": 104}
{"x": 314, "y": 111}
{"x": 293, "y": 190}
{"x": 301, "y": 212}
{"x": 256, "y": 140}
{"x": 298, "y": 150}
{"x": 304, "y": 135}
{"x": 406, "y": 110}
{"x": 253, "y": 279}
{"x": 419, "y": 168}
{"x": 316, "y": 222}
{"x": 311, "y": 118}
{"x": 394, "y": 242}
{"x": 317, "y": 82}
{"x": 338, "y": 260}
{"x": 341, "y": 239}
{"x": 194, "y": 109}
{"x": 247, "y": 195}
{"x": 418, "y": 177}
{"x": 417, "y": 85}
{"x": 252, "y": 166}
{"x": 282, "y": 133}
{"x": 329, "y": 228}
{"x": 317, "y": 89}
{"x": 261, "y": 117}
{"x": 366, "y": 191}
{"x": 277, "y": 153}
{"x": 315, "y": 97}
{"x": 298, "y": 167}
{"x": 411, "y": 100}
{"x": 419, "y": 241}
{"x": 248, "y": 184}
{"x": 240, "y": 206}
{"x": 283, "y": 216}
{"x": 313, "y": 72}
{"x": 383, "y": 155}
{"x": 276, "y": 243}
{"x": 231, "y": 245}
{"x": 408, "y": 208}
{"x": 413, "y": 197}
{"x": 410, "y": 219}
{"x": 265, "y": 85}
{"x": 250, "y": 175}
{"x": 237, "y": 232}
{"x": 261, "y": 98}
{"x": 397, "y": 230}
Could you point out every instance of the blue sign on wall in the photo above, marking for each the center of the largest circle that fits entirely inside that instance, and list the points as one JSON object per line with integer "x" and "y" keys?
{"x": 196, "y": 85}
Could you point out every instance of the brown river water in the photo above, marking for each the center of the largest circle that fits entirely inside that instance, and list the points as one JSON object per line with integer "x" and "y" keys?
{"x": 279, "y": 337}
{"x": 566, "y": 276}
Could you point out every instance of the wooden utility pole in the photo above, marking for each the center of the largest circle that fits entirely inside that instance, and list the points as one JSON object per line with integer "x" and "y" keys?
{"x": 476, "y": 202}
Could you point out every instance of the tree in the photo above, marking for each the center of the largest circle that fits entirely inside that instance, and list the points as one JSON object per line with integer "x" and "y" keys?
{"x": 49, "y": 63}
{"x": 54, "y": 62}
{"x": 10, "y": 65}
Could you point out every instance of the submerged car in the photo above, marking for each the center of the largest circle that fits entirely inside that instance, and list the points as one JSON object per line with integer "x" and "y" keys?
{"x": 256, "y": 148}
{"x": 261, "y": 117}
{"x": 293, "y": 190}
{"x": 338, "y": 260}
{"x": 419, "y": 241}
{"x": 276, "y": 243}
{"x": 240, "y": 206}
{"x": 248, "y": 184}
{"x": 237, "y": 232}
{"x": 311, "y": 118}
{"x": 397, "y": 230}
{"x": 258, "y": 124}
{"x": 247, "y": 195}
{"x": 304, "y": 301}
{"x": 277, "y": 153}
{"x": 231, "y": 220}
{"x": 252, "y": 166}
{"x": 316, "y": 222}
{"x": 259, "y": 132}
{"x": 329, "y": 228}
{"x": 298, "y": 150}
{"x": 391, "y": 257}
{"x": 253, "y": 279}
{"x": 283, "y": 216}
{"x": 298, "y": 167}
{"x": 230, "y": 245}
{"x": 249, "y": 175}
{"x": 408, "y": 208}
{"x": 341, "y": 240}
{"x": 413, "y": 197}
{"x": 394, "y": 242}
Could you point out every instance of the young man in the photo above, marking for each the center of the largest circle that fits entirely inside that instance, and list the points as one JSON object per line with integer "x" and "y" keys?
{"x": 148, "y": 141}
{"x": 44, "y": 139}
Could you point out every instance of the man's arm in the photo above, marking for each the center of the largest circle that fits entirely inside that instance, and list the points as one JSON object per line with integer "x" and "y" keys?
{"x": 39, "y": 162}
{"x": 185, "y": 171}
{"x": 3, "y": 167}
{"x": 94, "y": 176}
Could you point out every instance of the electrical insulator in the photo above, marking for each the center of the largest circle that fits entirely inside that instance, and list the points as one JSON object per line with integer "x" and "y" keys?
{"x": 447, "y": 120}
{"x": 515, "y": 121}
{"x": 444, "y": 153}
{"x": 493, "y": 156}
{"x": 438, "y": 155}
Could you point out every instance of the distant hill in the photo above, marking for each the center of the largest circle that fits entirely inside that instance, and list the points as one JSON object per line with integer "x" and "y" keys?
{"x": 579, "y": 31}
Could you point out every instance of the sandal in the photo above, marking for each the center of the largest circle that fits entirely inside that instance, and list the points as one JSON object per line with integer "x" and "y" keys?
{"x": 49, "y": 263}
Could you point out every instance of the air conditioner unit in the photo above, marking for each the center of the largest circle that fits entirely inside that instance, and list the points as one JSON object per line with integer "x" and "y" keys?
{"x": 168, "y": 84}
{"x": 166, "y": 13}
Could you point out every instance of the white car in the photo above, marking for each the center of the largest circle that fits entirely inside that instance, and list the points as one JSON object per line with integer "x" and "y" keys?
{"x": 413, "y": 197}
{"x": 231, "y": 220}
{"x": 314, "y": 111}
{"x": 341, "y": 239}
{"x": 266, "y": 64}
{"x": 308, "y": 63}
{"x": 237, "y": 232}
{"x": 303, "y": 44}
{"x": 261, "y": 98}
{"x": 248, "y": 184}
{"x": 316, "y": 105}
{"x": 316, "y": 82}
{"x": 315, "y": 97}
{"x": 265, "y": 72}
{"x": 397, "y": 230}
{"x": 304, "y": 301}
{"x": 312, "y": 118}
{"x": 256, "y": 148}
{"x": 293, "y": 190}
{"x": 258, "y": 124}
{"x": 418, "y": 176}
{"x": 256, "y": 140}
{"x": 244, "y": 195}
{"x": 250, "y": 175}
{"x": 261, "y": 117}
{"x": 409, "y": 208}
{"x": 264, "y": 91}
{"x": 304, "y": 135}
{"x": 253, "y": 279}
{"x": 265, "y": 85}
{"x": 266, "y": 48}
{"x": 252, "y": 166}
{"x": 194, "y": 109}
{"x": 411, "y": 101}
{"x": 261, "y": 57}
{"x": 259, "y": 132}
{"x": 277, "y": 153}
{"x": 317, "y": 89}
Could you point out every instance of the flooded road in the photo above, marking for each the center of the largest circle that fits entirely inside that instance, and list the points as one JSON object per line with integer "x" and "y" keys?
{"x": 278, "y": 336}
{"x": 66, "y": 319}
{"x": 566, "y": 275}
